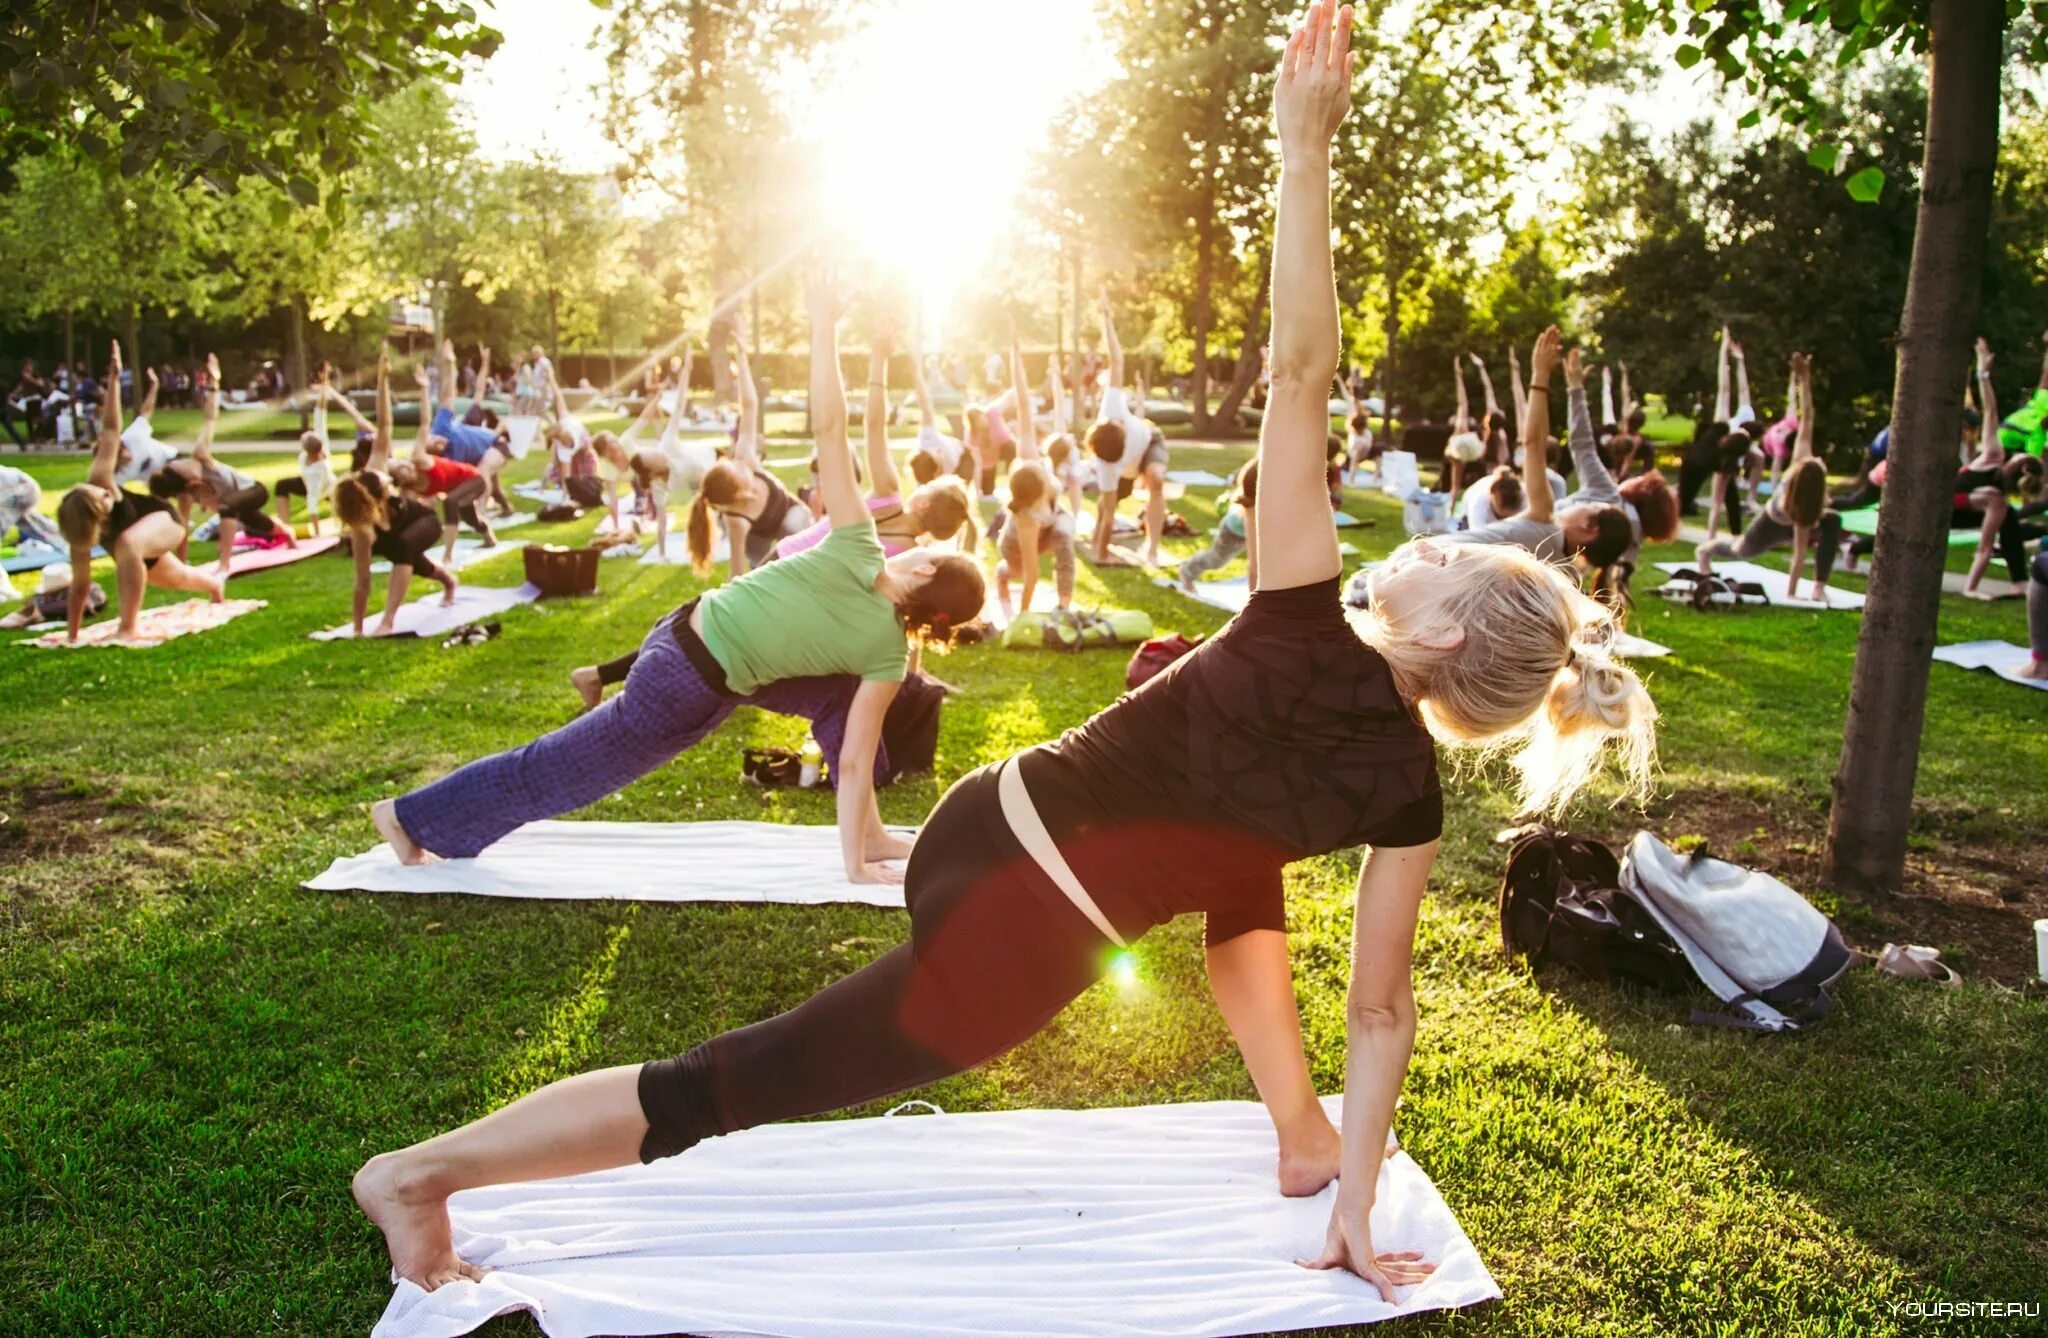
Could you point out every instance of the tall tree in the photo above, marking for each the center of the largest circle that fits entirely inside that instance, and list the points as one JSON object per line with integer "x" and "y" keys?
{"x": 278, "y": 89}
{"x": 1963, "y": 44}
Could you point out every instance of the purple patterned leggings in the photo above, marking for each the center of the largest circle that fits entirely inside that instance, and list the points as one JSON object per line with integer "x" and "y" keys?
{"x": 665, "y": 707}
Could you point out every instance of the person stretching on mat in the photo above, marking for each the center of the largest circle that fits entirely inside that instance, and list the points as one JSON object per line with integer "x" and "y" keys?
{"x": 315, "y": 479}
{"x": 1032, "y": 522}
{"x": 487, "y": 449}
{"x": 1798, "y": 514}
{"x": 141, "y": 532}
{"x": 1237, "y": 531}
{"x": 199, "y": 479}
{"x": 768, "y": 638}
{"x": 937, "y": 454}
{"x": 459, "y": 486}
{"x": 1289, "y": 734}
{"x": 143, "y": 457}
{"x": 1600, "y": 525}
{"x": 1497, "y": 444}
{"x": 383, "y": 522}
{"x": 759, "y": 512}
{"x": 1126, "y": 447}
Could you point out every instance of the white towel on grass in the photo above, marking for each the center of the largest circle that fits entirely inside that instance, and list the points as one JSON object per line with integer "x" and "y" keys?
{"x": 2000, "y": 657}
{"x": 513, "y": 521}
{"x": 1230, "y": 594}
{"x": 1139, "y": 1221}
{"x": 1196, "y": 478}
{"x": 1045, "y": 598}
{"x": 678, "y": 552}
{"x": 1631, "y": 647}
{"x": 427, "y": 616}
{"x": 1774, "y": 584}
{"x": 468, "y": 552}
{"x": 633, "y": 861}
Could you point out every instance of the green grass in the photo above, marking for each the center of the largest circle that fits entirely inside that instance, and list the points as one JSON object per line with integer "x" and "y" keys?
{"x": 197, "y": 1054}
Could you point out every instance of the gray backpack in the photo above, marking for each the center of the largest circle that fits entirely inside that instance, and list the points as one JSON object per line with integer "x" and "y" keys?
{"x": 1763, "y": 949}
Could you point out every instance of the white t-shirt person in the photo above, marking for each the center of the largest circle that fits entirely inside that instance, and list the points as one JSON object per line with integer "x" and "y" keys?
{"x": 1116, "y": 408}
{"x": 146, "y": 455}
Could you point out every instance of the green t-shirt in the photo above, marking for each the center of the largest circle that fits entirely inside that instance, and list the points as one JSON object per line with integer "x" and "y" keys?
{"x": 2025, "y": 430}
{"x": 812, "y": 614}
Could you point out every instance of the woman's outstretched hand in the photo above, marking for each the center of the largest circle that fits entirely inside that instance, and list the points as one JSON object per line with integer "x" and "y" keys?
{"x": 1349, "y": 1245}
{"x": 1314, "y": 88}
{"x": 1544, "y": 359}
{"x": 1574, "y": 371}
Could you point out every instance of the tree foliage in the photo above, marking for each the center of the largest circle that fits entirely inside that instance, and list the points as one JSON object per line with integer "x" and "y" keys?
{"x": 273, "y": 89}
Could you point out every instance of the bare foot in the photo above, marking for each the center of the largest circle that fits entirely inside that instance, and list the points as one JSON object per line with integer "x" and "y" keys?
{"x": 588, "y": 686}
{"x": 384, "y": 817}
{"x": 1311, "y": 1160}
{"x": 218, "y": 591}
{"x": 2036, "y": 670}
{"x": 1152, "y": 558}
{"x": 1187, "y": 582}
{"x": 414, "y": 1223}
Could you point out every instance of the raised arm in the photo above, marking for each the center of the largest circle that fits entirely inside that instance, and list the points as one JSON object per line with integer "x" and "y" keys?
{"x": 1515, "y": 388}
{"x": 1116, "y": 348}
{"x": 843, "y": 502}
{"x": 1027, "y": 421}
{"x": 883, "y": 480}
{"x": 1298, "y": 541}
{"x": 1742, "y": 399}
{"x": 149, "y": 396}
{"x": 1628, "y": 398}
{"x": 919, "y": 386}
{"x": 380, "y": 440}
{"x": 1721, "y": 407}
{"x": 1802, "y": 396}
{"x": 747, "y": 449}
{"x": 1594, "y": 475}
{"x": 1988, "y": 394}
{"x": 1542, "y": 502}
{"x": 1486, "y": 384}
{"x": 106, "y": 452}
{"x": 1607, "y": 397}
{"x": 1463, "y": 422}
{"x": 202, "y": 447}
{"x": 447, "y": 374}
{"x": 348, "y": 406}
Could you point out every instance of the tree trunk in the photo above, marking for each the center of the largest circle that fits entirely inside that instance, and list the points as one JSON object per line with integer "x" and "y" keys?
{"x": 70, "y": 338}
{"x": 1392, "y": 329}
{"x": 1873, "y": 792}
{"x": 1198, "y": 388}
{"x": 1248, "y": 356}
{"x": 133, "y": 352}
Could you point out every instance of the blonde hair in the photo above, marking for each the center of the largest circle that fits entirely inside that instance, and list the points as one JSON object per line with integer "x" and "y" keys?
{"x": 82, "y": 512}
{"x": 1533, "y": 676}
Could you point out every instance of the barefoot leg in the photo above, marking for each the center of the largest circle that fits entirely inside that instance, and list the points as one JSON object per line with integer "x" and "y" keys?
{"x": 588, "y": 685}
{"x": 384, "y": 817}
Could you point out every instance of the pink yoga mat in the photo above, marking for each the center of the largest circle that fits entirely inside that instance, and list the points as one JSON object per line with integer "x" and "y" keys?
{"x": 263, "y": 559}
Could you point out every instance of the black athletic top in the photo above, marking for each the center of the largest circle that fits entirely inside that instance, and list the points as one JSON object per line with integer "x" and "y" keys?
{"x": 1281, "y": 737}
{"x": 775, "y": 510}
{"x": 128, "y": 508}
{"x": 410, "y": 521}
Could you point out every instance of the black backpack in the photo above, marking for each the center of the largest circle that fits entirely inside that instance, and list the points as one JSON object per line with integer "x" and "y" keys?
{"x": 910, "y": 730}
{"x": 1561, "y": 901}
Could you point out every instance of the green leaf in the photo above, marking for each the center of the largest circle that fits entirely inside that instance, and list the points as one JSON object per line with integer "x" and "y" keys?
{"x": 1750, "y": 119}
{"x": 1866, "y": 186}
{"x": 1603, "y": 37}
{"x": 1825, "y": 156}
{"x": 1687, "y": 56}
{"x": 303, "y": 190}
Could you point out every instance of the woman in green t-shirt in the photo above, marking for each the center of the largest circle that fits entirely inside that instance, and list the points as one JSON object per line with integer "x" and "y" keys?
{"x": 781, "y": 637}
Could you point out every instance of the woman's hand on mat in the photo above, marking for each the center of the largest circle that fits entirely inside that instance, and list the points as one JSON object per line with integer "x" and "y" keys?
{"x": 1349, "y": 1245}
{"x": 1314, "y": 88}
{"x": 875, "y": 873}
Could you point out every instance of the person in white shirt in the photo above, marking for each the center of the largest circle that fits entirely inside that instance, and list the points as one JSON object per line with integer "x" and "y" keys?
{"x": 544, "y": 386}
{"x": 142, "y": 456}
{"x": 937, "y": 453}
{"x": 1126, "y": 447}
{"x": 316, "y": 467}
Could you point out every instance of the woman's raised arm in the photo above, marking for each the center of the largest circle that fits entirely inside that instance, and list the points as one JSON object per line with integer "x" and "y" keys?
{"x": 1542, "y": 502}
{"x": 1027, "y": 420}
{"x": 1298, "y": 541}
{"x": 1486, "y": 384}
{"x": 883, "y": 480}
{"x": 843, "y": 502}
{"x": 106, "y": 451}
{"x": 747, "y": 446}
{"x": 1721, "y": 406}
{"x": 1802, "y": 396}
{"x": 209, "y": 419}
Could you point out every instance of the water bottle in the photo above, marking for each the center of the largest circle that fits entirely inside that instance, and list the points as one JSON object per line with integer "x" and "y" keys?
{"x": 813, "y": 763}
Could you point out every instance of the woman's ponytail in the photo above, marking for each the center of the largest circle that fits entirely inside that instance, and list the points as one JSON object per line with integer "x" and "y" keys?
{"x": 700, "y": 534}
{"x": 1593, "y": 699}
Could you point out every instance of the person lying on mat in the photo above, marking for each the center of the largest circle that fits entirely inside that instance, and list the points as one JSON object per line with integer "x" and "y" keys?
{"x": 141, "y": 532}
{"x": 1127, "y": 446}
{"x": 1289, "y": 734}
{"x": 1798, "y": 515}
{"x": 758, "y": 511}
{"x": 773, "y": 637}
{"x": 383, "y": 521}
{"x": 1032, "y": 522}
{"x": 203, "y": 481}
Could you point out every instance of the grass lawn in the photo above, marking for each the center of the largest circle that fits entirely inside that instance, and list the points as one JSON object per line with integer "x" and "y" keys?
{"x": 198, "y": 1054}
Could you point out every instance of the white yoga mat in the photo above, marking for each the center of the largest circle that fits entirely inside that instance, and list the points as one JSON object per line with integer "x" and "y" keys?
{"x": 1140, "y": 1221}
{"x": 540, "y": 492}
{"x": 468, "y": 552}
{"x": 1196, "y": 478}
{"x": 1774, "y": 584}
{"x": 1230, "y": 594}
{"x": 633, "y": 861}
{"x": 1045, "y": 598}
{"x": 1344, "y": 521}
{"x": 678, "y": 552}
{"x": 2000, "y": 657}
{"x": 427, "y": 616}
{"x": 513, "y": 521}
{"x": 1631, "y": 647}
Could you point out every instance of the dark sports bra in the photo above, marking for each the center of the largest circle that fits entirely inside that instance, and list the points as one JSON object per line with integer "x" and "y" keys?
{"x": 128, "y": 508}
{"x": 774, "y": 511}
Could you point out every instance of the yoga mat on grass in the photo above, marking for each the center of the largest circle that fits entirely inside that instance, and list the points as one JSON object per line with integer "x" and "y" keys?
{"x": 633, "y": 861}
{"x": 1631, "y": 647}
{"x": 513, "y": 521}
{"x": 1864, "y": 521}
{"x": 2000, "y": 657}
{"x": 1146, "y": 1220}
{"x": 1196, "y": 478}
{"x": 1230, "y": 594}
{"x": 249, "y": 560}
{"x": 678, "y": 552}
{"x": 153, "y": 627}
{"x": 1774, "y": 584}
{"x": 427, "y": 616}
{"x": 34, "y": 555}
{"x": 468, "y": 552}
{"x": 540, "y": 492}
{"x": 1045, "y": 598}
